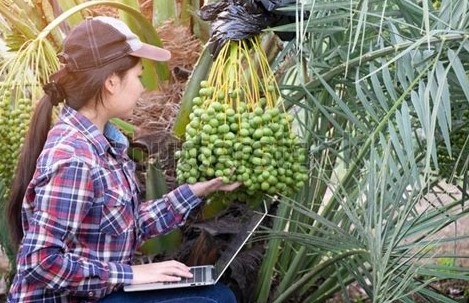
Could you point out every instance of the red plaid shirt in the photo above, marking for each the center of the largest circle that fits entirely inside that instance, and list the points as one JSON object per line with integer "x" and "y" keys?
{"x": 81, "y": 217}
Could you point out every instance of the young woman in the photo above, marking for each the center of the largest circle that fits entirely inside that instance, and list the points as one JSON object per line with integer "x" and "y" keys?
{"x": 73, "y": 210}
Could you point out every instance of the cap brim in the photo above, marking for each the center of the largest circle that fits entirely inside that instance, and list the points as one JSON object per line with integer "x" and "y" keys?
{"x": 152, "y": 52}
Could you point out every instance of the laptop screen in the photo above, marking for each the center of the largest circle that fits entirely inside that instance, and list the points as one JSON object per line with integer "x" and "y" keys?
{"x": 251, "y": 221}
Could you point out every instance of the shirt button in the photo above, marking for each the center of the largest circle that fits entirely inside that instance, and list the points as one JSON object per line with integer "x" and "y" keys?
{"x": 91, "y": 294}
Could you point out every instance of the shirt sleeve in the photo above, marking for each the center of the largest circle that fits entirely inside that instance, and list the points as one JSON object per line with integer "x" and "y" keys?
{"x": 63, "y": 196}
{"x": 159, "y": 216}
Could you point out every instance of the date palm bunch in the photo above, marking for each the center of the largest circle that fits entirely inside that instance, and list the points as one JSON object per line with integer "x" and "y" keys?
{"x": 239, "y": 130}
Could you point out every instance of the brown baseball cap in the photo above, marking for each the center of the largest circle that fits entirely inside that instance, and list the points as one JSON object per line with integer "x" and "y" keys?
{"x": 98, "y": 41}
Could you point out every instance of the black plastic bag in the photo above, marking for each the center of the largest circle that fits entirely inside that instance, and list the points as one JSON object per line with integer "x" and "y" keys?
{"x": 242, "y": 19}
{"x": 281, "y": 17}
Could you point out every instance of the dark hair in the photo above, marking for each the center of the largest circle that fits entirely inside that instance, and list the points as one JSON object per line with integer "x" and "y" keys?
{"x": 78, "y": 89}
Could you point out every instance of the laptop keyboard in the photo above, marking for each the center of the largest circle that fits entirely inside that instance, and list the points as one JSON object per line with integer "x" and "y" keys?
{"x": 199, "y": 274}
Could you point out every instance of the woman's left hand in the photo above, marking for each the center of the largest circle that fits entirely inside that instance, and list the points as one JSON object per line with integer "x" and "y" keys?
{"x": 205, "y": 188}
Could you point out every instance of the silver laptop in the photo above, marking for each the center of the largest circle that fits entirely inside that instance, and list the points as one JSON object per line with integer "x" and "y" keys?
{"x": 210, "y": 274}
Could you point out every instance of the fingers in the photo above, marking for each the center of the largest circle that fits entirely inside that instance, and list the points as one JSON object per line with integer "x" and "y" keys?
{"x": 217, "y": 184}
{"x": 168, "y": 271}
{"x": 230, "y": 186}
{"x": 174, "y": 268}
{"x": 205, "y": 188}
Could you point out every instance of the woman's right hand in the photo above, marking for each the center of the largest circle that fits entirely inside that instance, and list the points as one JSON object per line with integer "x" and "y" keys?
{"x": 205, "y": 188}
{"x": 167, "y": 271}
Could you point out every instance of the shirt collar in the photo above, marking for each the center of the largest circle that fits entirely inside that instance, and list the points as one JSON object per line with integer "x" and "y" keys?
{"x": 93, "y": 134}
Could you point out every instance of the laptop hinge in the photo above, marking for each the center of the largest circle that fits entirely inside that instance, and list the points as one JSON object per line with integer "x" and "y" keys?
{"x": 213, "y": 271}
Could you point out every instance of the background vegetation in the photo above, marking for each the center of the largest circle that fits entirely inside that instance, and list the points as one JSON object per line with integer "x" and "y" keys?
{"x": 380, "y": 94}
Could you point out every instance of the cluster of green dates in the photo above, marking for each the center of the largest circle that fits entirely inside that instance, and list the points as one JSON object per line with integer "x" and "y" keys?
{"x": 14, "y": 121}
{"x": 255, "y": 146}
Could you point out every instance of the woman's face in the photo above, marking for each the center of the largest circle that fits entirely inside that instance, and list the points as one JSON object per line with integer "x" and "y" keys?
{"x": 128, "y": 91}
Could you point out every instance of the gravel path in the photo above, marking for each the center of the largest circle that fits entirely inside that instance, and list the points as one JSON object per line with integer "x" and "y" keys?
{"x": 459, "y": 228}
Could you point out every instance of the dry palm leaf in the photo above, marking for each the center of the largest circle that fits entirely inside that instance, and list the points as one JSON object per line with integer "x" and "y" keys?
{"x": 157, "y": 109}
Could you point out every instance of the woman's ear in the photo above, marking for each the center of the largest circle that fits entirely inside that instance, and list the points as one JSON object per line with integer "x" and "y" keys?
{"x": 111, "y": 83}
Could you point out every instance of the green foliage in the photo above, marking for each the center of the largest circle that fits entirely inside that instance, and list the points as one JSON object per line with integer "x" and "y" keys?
{"x": 446, "y": 261}
{"x": 155, "y": 188}
{"x": 373, "y": 89}
{"x": 191, "y": 91}
{"x": 4, "y": 238}
{"x": 453, "y": 159}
